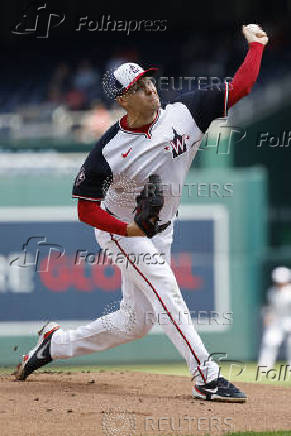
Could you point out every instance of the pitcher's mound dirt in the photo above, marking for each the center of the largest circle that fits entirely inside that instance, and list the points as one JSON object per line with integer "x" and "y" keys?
{"x": 129, "y": 404}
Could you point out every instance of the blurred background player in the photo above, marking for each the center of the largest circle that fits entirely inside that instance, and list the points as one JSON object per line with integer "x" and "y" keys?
{"x": 277, "y": 318}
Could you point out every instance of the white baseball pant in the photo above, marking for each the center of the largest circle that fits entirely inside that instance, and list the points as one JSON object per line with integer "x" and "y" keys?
{"x": 273, "y": 336}
{"x": 150, "y": 294}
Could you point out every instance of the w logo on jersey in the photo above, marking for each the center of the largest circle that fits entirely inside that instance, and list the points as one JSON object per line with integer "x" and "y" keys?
{"x": 178, "y": 144}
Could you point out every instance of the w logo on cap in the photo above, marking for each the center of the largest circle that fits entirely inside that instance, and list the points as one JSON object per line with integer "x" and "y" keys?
{"x": 134, "y": 68}
{"x": 117, "y": 82}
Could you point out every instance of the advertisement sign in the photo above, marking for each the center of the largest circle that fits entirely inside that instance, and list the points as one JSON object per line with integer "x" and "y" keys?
{"x": 43, "y": 275}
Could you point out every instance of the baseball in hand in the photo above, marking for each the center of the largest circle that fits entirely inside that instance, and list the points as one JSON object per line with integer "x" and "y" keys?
{"x": 254, "y": 33}
{"x": 257, "y": 30}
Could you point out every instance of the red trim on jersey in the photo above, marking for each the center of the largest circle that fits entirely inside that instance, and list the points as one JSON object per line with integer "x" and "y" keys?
{"x": 163, "y": 305}
{"x": 247, "y": 74}
{"x": 51, "y": 331}
{"x": 138, "y": 77}
{"x": 91, "y": 213}
{"x": 143, "y": 129}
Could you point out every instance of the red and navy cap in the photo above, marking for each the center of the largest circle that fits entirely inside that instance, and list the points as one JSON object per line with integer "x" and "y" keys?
{"x": 121, "y": 79}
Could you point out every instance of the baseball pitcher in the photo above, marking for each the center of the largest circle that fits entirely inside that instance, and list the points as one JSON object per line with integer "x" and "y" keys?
{"x": 120, "y": 193}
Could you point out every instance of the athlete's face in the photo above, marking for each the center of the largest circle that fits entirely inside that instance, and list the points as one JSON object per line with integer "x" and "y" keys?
{"x": 142, "y": 96}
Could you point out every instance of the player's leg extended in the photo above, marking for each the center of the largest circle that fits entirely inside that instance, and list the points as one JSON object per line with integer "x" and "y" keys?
{"x": 124, "y": 325}
{"x": 115, "y": 328}
{"x": 159, "y": 285}
{"x": 155, "y": 277}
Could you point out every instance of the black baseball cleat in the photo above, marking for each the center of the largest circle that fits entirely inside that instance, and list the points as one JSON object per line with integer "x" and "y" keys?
{"x": 38, "y": 356}
{"x": 219, "y": 389}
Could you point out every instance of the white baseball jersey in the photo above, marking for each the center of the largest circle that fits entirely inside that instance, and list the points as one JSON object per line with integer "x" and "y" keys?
{"x": 280, "y": 305}
{"x": 116, "y": 171}
{"x": 118, "y": 167}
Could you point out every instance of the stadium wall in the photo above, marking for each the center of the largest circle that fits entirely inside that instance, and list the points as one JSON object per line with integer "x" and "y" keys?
{"x": 218, "y": 252}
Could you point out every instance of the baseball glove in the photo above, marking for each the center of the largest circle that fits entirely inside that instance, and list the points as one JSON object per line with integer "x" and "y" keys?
{"x": 149, "y": 204}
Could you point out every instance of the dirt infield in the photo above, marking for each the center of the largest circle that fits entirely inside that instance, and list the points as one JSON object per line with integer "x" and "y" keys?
{"x": 130, "y": 403}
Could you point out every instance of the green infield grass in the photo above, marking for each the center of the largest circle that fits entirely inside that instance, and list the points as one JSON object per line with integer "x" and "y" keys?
{"x": 245, "y": 372}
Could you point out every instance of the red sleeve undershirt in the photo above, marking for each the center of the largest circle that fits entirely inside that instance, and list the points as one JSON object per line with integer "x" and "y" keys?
{"x": 91, "y": 213}
{"x": 247, "y": 74}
